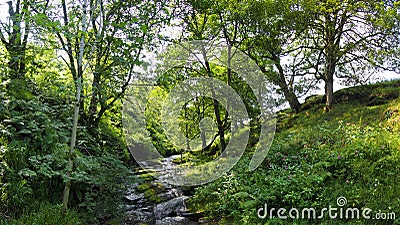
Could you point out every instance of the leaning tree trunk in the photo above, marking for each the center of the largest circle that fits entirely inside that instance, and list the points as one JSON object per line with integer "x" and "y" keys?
{"x": 290, "y": 96}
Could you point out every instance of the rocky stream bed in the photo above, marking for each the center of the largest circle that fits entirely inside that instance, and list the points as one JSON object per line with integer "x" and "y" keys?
{"x": 157, "y": 202}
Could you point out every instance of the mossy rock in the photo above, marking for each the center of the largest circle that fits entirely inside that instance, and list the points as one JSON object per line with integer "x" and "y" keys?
{"x": 149, "y": 193}
{"x": 152, "y": 190}
{"x": 158, "y": 187}
{"x": 147, "y": 176}
{"x": 157, "y": 198}
{"x": 143, "y": 187}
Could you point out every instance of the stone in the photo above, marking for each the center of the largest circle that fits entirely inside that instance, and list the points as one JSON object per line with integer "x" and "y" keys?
{"x": 173, "y": 206}
{"x": 134, "y": 197}
{"x": 174, "y": 221}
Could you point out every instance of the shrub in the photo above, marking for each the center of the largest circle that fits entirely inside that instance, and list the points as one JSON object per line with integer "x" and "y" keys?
{"x": 46, "y": 214}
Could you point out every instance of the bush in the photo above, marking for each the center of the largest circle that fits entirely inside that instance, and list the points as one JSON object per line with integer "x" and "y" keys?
{"x": 46, "y": 214}
{"x": 98, "y": 186}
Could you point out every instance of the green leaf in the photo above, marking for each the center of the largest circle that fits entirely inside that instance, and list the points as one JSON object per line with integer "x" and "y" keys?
{"x": 249, "y": 204}
{"x": 27, "y": 173}
{"x": 241, "y": 194}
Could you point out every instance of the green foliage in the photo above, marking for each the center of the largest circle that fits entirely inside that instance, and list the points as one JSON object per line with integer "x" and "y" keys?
{"x": 314, "y": 158}
{"x": 98, "y": 187}
{"x": 45, "y": 214}
{"x": 153, "y": 123}
{"x": 34, "y": 150}
{"x": 311, "y": 163}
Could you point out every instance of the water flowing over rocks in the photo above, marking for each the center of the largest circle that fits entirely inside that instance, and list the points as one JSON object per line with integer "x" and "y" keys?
{"x": 157, "y": 202}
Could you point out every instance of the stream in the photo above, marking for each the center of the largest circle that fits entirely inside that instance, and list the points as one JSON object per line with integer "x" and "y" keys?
{"x": 164, "y": 203}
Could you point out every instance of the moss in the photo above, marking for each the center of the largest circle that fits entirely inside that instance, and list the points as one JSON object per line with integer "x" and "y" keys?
{"x": 143, "y": 187}
{"x": 147, "y": 176}
{"x": 156, "y": 198}
{"x": 149, "y": 193}
{"x": 152, "y": 190}
{"x": 311, "y": 101}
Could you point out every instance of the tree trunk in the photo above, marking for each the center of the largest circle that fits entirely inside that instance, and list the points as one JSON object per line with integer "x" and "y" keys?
{"x": 17, "y": 62}
{"x": 220, "y": 124}
{"x": 331, "y": 57}
{"x": 290, "y": 96}
{"x": 16, "y": 47}
{"x": 200, "y": 112}
{"x": 217, "y": 113}
{"x": 71, "y": 150}
{"x": 78, "y": 105}
{"x": 329, "y": 91}
{"x": 328, "y": 76}
{"x": 92, "y": 112}
{"x": 229, "y": 81}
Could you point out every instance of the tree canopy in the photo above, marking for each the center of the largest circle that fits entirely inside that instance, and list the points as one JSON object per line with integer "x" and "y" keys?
{"x": 67, "y": 67}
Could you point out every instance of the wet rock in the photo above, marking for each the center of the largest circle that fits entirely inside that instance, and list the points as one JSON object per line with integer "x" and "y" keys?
{"x": 170, "y": 194}
{"x": 155, "y": 201}
{"x": 139, "y": 216}
{"x": 133, "y": 197}
{"x": 173, "y": 206}
{"x": 174, "y": 220}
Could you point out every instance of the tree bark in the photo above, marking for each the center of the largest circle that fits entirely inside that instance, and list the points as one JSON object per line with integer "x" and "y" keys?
{"x": 290, "y": 96}
{"x": 67, "y": 186}
{"x": 220, "y": 124}
{"x": 78, "y": 106}
{"x": 217, "y": 113}
{"x": 294, "y": 103}
{"x": 202, "y": 128}
{"x": 92, "y": 112}
{"x": 329, "y": 93}
{"x": 329, "y": 73}
{"x": 15, "y": 45}
{"x": 332, "y": 40}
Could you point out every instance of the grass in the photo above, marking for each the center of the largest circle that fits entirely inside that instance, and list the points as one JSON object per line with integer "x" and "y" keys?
{"x": 316, "y": 157}
{"x": 45, "y": 214}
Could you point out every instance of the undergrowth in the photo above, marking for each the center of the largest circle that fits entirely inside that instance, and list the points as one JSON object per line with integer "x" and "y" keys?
{"x": 316, "y": 158}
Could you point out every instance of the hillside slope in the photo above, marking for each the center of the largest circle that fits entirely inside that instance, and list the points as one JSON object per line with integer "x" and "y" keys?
{"x": 317, "y": 159}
